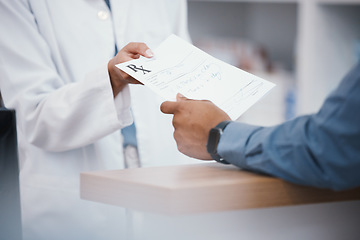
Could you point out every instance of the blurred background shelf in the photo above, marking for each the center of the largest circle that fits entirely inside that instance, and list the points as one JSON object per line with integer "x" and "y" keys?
{"x": 304, "y": 46}
{"x": 249, "y": 1}
{"x": 339, "y": 2}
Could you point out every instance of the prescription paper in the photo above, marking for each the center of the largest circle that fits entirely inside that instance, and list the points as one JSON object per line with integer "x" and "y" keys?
{"x": 180, "y": 67}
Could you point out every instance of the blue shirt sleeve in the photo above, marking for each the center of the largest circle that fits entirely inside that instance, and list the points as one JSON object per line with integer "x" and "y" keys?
{"x": 321, "y": 150}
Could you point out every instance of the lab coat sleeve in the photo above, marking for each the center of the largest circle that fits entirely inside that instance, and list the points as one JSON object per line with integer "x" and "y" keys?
{"x": 321, "y": 150}
{"x": 56, "y": 114}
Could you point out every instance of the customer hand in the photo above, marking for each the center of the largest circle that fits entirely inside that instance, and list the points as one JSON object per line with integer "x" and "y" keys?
{"x": 118, "y": 78}
{"x": 192, "y": 121}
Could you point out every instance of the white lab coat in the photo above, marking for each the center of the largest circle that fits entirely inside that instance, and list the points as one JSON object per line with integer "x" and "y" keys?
{"x": 53, "y": 71}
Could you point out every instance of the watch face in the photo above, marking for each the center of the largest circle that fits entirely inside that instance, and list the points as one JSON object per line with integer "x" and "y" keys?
{"x": 214, "y": 136}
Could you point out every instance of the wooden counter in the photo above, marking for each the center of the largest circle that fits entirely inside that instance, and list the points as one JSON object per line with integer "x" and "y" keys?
{"x": 199, "y": 188}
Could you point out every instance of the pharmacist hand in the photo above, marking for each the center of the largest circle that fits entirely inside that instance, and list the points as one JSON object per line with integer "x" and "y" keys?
{"x": 118, "y": 78}
{"x": 192, "y": 122}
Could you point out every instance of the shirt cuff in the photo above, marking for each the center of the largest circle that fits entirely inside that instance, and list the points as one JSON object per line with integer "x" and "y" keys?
{"x": 233, "y": 143}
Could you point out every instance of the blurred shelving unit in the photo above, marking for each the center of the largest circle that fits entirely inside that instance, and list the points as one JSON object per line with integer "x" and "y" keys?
{"x": 329, "y": 32}
{"x": 339, "y": 2}
{"x": 313, "y": 42}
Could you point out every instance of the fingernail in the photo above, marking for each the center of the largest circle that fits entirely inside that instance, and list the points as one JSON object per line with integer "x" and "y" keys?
{"x": 180, "y": 95}
{"x": 149, "y": 53}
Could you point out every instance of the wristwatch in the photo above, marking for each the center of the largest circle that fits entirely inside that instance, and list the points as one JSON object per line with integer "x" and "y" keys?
{"x": 214, "y": 139}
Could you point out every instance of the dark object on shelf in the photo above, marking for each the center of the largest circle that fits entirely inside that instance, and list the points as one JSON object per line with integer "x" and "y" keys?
{"x": 10, "y": 213}
{"x": 1, "y": 102}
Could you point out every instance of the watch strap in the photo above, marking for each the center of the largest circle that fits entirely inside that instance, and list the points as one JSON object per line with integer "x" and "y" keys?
{"x": 221, "y": 126}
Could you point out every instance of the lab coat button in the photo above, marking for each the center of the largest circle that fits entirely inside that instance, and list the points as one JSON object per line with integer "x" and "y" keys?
{"x": 103, "y": 15}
